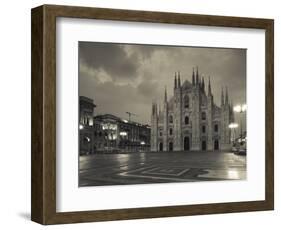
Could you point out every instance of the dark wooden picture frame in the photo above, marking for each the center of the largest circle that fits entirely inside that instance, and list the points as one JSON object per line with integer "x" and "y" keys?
{"x": 43, "y": 206}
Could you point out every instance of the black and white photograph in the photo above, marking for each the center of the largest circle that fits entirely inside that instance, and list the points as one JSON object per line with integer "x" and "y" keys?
{"x": 161, "y": 114}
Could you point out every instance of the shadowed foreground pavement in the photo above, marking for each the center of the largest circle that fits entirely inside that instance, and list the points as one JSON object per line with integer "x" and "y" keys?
{"x": 144, "y": 168}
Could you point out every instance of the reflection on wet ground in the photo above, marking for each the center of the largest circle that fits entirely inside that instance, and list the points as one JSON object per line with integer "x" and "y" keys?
{"x": 144, "y": 168}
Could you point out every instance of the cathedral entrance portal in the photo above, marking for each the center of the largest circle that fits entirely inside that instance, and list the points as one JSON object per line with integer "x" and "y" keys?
{"x": 186, "y": 144}
{"x": 161, "y": 147}
{"x": 204, "y": 146}
{"x": 216, "y": 145}
{"x": 171, "y": 146}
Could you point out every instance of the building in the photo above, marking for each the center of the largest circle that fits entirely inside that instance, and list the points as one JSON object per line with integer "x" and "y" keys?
{"x": 190, "y": 120}
{"x": 86, "y": 125}
{"x": 113, "y": 134}
{"x": 108, "y": 133}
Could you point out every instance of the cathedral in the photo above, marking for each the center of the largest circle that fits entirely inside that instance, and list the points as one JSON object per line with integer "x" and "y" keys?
{"x": 190, "y": 120}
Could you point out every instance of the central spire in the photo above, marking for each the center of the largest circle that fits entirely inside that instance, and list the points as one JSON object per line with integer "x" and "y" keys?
{"x": 165, "y": 94}
{"x": 193, "y": 77}
{"x": 203, "y": 84}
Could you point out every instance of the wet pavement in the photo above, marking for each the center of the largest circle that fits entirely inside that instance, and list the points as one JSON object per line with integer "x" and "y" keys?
{"x": 163, "y": 167}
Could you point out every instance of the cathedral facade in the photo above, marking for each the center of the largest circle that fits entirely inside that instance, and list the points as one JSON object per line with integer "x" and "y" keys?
{"x": 190, "y": 120}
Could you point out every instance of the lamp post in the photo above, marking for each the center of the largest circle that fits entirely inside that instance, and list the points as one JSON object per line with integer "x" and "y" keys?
{"x": 142, "y": 145}
{"x": 240, "y": 108}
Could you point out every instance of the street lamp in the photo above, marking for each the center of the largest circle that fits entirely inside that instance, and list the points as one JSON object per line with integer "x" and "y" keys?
{"x": 142, "y": 145}
{"x": 240, "y": 108}
{"x": 232, "y": 127}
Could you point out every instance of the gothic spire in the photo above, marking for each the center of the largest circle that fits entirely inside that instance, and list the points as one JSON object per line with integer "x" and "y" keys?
{"x": 153, "y": 108}
{"x": 193, "y": 77}
{"x": 165, "y": 94}
{"x": 209, "y": 88}
{"x": 203, "y": 84}
{"x": 226, "y": 96}
{"x": 179, "y": 79}
{"x": 222, "y": 97}
{"x": 175, "y": 80}
{"x": 197, "y": 76}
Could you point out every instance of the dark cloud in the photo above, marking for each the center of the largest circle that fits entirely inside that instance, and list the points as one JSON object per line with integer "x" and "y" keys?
{"x": 114, "y": 99}
{"x": 148, "y": 89}
{"x": 111, "y": 58}
{"x": 145, "y": 52}
{"x": 124, "y": 77}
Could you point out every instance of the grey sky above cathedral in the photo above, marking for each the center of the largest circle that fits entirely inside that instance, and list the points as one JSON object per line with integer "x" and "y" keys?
{"x": 121, "y": 78}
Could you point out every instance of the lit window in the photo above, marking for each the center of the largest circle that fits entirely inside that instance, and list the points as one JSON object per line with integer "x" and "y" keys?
{"x": 87, "y": 139}
{"x": 91, "y": 122}
{"x": 123, "y": 133}
{"x": 114, "y": 136}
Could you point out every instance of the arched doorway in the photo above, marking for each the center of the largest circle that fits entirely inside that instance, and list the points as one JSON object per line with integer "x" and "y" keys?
{"x": 204, "y": 145}
{"x": 170, "y": 146}
{"x": 216, "y": 145}
{"x": 160, "y": 146}
{"x": 186, "y": 145}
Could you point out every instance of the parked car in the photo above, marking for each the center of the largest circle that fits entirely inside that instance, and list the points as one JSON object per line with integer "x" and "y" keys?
{"x": 235, "y": 149}
{"x": 243, "y": 148}
{"x": 240, "y": 146}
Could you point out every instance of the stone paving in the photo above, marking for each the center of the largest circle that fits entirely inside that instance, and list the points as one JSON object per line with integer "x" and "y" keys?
{"x": 163, "y": 167}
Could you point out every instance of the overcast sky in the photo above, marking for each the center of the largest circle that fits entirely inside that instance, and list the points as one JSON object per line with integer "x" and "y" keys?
{"x": 120, "y": 77}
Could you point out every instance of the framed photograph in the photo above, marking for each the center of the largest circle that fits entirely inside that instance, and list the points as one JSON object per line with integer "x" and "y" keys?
{"x": 140, "y": 114}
